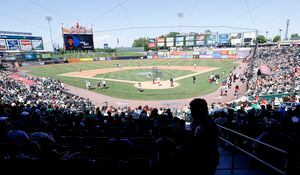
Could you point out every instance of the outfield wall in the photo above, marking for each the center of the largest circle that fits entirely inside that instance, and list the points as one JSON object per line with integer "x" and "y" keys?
{"x": 217, "y": 53}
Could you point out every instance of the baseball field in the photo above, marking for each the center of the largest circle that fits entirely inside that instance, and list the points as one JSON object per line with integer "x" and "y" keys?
{"x": 122, "y": 81}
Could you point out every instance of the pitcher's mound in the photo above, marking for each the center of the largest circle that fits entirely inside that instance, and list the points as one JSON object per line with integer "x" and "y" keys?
{"x": 161, "y": 85}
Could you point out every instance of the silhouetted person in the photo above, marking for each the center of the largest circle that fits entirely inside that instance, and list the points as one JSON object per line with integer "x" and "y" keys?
{"x": 165, "y": 150}
{"x": 200, "y": 155}
{"x": 119, "y": 149}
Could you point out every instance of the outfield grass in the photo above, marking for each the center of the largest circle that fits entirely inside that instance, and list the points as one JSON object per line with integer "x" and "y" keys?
{"x": 128, "y": 91}
{"x": 142, "y": 74}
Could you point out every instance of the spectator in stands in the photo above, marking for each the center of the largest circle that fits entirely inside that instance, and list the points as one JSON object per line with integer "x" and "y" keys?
{"x": 165, "y": 150}
{"x": 201, "y": 150}
{"x": 119, "y": 149}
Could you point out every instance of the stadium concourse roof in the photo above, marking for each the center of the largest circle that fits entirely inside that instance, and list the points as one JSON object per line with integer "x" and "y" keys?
{"x": 14, "y": 33}
{"x": 22, "y": 51}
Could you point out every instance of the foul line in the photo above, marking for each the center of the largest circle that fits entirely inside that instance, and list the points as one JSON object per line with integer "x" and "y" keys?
{"x": 135, "y": 82}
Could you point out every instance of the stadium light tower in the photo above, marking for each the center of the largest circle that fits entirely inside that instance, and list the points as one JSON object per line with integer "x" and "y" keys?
{"x": 287, "y": 29}
{"x": 280, "y": 34}
{"x": 267, "y": 35}
{"x": 180, "y": 16}
{"x": 48, "y": 19}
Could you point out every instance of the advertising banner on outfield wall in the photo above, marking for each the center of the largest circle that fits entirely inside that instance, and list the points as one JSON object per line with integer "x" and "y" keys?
{"x": 243, "y": 52}
{"x": 73, "y": 60}
{"x": 46, "y": 55}
{"x": 216, "y": 54}
{"x": 231, "y": 52}
{"x": 29, "y": 56}
{"x": 224, "y": 56}
{"x": 86, "y": 59}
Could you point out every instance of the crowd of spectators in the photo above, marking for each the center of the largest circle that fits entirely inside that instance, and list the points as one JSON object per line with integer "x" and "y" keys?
{"x": 276, "y": 69}
{"x": 44, "y": 122}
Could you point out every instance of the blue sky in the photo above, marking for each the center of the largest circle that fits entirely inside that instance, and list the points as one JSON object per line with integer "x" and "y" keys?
{"x": 29, "y": 16}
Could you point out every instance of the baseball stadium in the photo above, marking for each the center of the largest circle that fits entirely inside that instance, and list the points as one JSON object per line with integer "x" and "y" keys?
{"x": 116, "y": 91}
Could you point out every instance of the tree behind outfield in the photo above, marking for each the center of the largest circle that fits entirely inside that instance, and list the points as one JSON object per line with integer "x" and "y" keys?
{"x": 294, "y": 35}
{"x": 276, "y": 38}
{"x": 172, "y": 34}
{"x": 261, "y": 39}
{"x": 140, "y": 42}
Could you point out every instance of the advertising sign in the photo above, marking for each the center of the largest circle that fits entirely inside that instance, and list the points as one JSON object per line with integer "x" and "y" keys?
{"x": 151, "y": 40}
{"x": 223, "y": 38}
{"x": 179, "y": 39}
{"x": 179, "y": 43}
{"x": 200, "y": 40}
{"x": 161, "y": 42}
{"x": 170, "y": 40}
{"x": 236, "y": 38}
{"x": 249, "y": 38}
{"x": 189, "y": 43}
{"x": 37, "y": 44}
{"x": 3, "y": 44}
{"x": 211, "y": 39}
{"x": 249, "y": 34}
{"x": 13, "y": 44}
{"x": 171, "y": 44}
{"x": 29, "y": 56}
{"x": 151, "y": 45}
{"x": 224, "y": 52}
{"x": 25, "y": 44}
{"x": 231, "y": 52}
{"x": 216, "y": 54}
{"x": 46, "y": 55}
{"x": 190, "y": 38}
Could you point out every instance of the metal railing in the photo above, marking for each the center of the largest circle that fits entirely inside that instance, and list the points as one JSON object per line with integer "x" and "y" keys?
{"x": 228, "y": 136}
